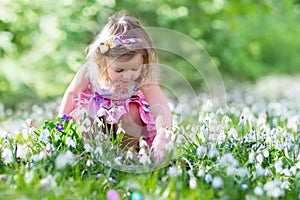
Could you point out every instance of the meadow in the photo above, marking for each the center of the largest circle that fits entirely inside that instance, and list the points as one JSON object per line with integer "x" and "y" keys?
{"x": 248, "y": 149}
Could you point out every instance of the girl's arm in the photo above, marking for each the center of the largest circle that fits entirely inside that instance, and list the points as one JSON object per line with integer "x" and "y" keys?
{"x": 158, "y": 103}
{"x": 163, "y": 117}
{"x": 79, "y": 83}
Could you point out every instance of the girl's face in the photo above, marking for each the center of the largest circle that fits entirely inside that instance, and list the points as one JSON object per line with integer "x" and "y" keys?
{"x": 125, "y": 70}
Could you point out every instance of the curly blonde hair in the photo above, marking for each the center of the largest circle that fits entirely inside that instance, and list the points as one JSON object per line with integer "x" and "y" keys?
{"x": 125, "y": 27}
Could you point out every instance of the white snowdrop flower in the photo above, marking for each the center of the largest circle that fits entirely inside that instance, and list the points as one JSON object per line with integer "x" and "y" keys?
{"x": 242, "y": 120}
{"x": 168, "y": 133}
{"x": 201, "y": 172}
{"x": 285, "y": 185}
{"x": 142, "y": 151}
{"x": 48, "y": 181}
{"x": 276, "y": 192}
{"x": 173, "y": 137}
{"x": 101, "y": 112}
{"x": 70, "y": 142}
{"x": 213, "y": 137}
{"x": 89, "y": 163}
{"x": 22, "y": 151}
{"x": 7, "y": 156}
{"x": 220, "y": 111}
{"x": 261, "y": 121}
{"x": 278, "y": 166}
{"x": 217, "y": 182}
{"x": 244, "y": 186}
{"x": 49, "y": 147}
{"x": 268, "y": 172}
{"x": 110, "y": 179}
{"x": 28, "y": 177}
{"x": 44, "y": 136}
{"x": 251, "y": 157}
{"x": 56, "y": 137}
{"x": 113, "y": 109}
{"x": 38, "y": 157}
{"x": 266, "y": 153}
{"x": 242, "y": 172}
{"x": 118, "y": 160}
{"x": 110, "y": 117}
{"x": 120, "y": 130}
{"x": 86, "y": 122}
{"x": 226, "y": 120}
{"x": 70, "y": 156}
{"x": 99, "y": 122}
{"x": 273, "y": 189}
{"x": 108, "y": 163}
{"x": 203, "y": 132}
{"x": 173, "y": 171}
{"x": 298, "y": 164}
{"x": 144, "y": 159}
{"x": 269, "y": 185}
{"x": 129, "y": 155}
{"x": 88, "y": 147}
{"x": 98, "y": 151}
{"x": 279, "y": 146}
{"x": 201, "y": 151}
{"x": 193, "y": 182}
{"x": 228, "y": 160}
{"x": 64, "y": 159}
{"x": 233, "y": 133}
{"x": 221, "y": 137}
{"x": 82, "y": 129}
{"x": 207, "y": 106}
{"x": 143, "y": 143}
{"x": 25, "y": 134}
{"x": 213, "y": 152}
{"x": 258, "y": 191}
{"x": 208, "y": 178}
{"x": 230, "y": 171}
{"x": 259, "y": 158}
{"x": 5, "y": 142}
{"x": 190, "y": 172}
{"x": 259, "y": 170}
{"x": 3, "y": 133}
{"x": 293, "y": 170}
{"x": 293, "y": 123}
{"x": 286, "y": 172}
{"x": 275, "y": 123}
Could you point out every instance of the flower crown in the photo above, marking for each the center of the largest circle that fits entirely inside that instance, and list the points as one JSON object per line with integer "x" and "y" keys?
{"x": 117, "y": 42}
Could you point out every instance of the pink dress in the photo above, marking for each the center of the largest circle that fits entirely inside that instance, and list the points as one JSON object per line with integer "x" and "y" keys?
{"x": 113, "y": 104}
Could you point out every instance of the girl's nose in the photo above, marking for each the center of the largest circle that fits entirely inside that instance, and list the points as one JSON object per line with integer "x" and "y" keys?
{"x": 127, "y": 75}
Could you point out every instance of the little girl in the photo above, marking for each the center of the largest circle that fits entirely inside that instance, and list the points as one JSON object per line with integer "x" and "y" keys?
{"x": 118, "y": 81}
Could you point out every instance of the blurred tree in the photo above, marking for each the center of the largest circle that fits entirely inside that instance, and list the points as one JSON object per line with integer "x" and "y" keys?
{"x": 42, "y": 43}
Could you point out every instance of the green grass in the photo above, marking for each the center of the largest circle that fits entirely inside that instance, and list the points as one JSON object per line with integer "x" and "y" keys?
{"x": 219, "y": 155}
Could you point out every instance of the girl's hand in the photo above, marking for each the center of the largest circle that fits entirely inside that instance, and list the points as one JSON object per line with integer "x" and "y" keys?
{"x": 161, "y": 142}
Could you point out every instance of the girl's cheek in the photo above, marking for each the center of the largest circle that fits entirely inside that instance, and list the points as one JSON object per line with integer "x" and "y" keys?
{"x": 117, "y": 77}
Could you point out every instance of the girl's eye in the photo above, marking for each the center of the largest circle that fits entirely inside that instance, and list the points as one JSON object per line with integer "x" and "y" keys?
{"x": 118, "y": 70}
{"x": 137, "y": 68}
